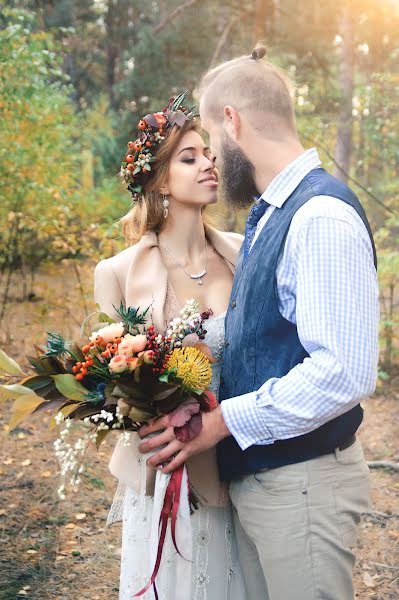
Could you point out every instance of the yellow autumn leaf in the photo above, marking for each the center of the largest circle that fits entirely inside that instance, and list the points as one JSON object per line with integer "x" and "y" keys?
{"x": 8, "y": 365}
{"x": 15, "y": 390}
{"x": 23, "y": 407}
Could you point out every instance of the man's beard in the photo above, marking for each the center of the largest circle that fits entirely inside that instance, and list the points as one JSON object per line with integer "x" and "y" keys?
{"x": 237, "y": 174}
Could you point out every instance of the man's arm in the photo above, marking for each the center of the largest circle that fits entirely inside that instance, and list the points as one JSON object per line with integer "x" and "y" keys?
{"x": 335, "y": 297}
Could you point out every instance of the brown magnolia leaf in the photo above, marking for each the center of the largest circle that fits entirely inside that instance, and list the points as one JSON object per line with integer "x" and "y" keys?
{"x": 36, "y": 382}
{"x": 165, "y": 393}
{"x": 139, "y": 416}
{"x": 66, "y": 410}
{"x": 82, "y": 410}
{"x": 101, "y": 435}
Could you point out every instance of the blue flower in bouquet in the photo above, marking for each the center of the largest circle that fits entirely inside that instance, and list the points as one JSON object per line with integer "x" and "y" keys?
{"x": 97, "y": 395}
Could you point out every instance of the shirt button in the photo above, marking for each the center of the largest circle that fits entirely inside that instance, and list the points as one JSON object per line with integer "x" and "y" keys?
{"x": 233, "y": 304}
{"x": 226, "y": 344}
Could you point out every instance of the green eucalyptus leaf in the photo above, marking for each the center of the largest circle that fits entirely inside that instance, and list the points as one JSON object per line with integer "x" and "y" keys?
{"x": 70, "y": 387}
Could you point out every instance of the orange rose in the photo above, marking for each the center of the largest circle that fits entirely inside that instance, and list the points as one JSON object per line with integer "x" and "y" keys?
{"x": 160, "y": 118}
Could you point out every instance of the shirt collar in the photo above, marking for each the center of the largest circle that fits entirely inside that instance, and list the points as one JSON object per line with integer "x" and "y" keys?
{"x": 282, "y": 186}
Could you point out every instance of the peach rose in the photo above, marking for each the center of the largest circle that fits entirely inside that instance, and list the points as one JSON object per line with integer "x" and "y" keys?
{"x": 118, "y": 364}
{"x": 131, "y": 344}
{"x": 108, "y": 333}
{"x": 132, "y": 363}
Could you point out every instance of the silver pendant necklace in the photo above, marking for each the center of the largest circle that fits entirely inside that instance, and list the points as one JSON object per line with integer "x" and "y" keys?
{"x": 198, "y": 277}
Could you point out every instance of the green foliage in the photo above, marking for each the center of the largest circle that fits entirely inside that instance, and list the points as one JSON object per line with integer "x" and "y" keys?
{"x": 76, "y": 75}
{"x": 387, "y": 240}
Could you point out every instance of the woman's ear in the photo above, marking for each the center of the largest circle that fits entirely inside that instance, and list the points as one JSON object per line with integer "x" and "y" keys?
{"x": 232, "y": 122}
{"x": 165, "y": 191}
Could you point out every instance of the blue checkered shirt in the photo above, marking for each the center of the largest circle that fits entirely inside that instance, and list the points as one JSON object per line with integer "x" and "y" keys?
{"x": 327, "y": 286}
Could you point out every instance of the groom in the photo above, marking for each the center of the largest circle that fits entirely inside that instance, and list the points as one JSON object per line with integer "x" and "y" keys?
{"x": 301, "y": 345}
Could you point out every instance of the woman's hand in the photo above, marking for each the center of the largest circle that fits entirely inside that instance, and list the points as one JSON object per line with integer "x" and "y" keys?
{"x": 166, "y": 438}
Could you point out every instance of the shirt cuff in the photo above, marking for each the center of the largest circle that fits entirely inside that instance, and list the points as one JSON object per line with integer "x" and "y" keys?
{"x": 244, "y": 421}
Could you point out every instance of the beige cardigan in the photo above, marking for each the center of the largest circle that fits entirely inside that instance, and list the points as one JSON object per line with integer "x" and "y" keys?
{"x": 138, "y": 276}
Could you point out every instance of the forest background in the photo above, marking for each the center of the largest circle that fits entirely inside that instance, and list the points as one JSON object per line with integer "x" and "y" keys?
{"x": 75, "y": 77}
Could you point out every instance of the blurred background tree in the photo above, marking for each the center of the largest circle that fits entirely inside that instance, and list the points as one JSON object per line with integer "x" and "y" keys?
{"x": 77, "y": 74}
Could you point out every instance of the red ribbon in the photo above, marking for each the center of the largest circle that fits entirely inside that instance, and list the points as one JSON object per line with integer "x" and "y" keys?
{"x": 170, "y": 507}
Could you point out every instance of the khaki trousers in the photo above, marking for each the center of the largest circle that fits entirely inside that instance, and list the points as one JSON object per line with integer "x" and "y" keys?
{"x": 296, "y": 527}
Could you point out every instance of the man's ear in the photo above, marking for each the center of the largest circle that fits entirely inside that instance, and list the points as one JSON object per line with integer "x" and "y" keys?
{"x": 232, "y": 122}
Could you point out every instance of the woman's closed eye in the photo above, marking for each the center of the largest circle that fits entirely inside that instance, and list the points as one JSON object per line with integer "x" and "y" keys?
{"x": 188, "y": 160}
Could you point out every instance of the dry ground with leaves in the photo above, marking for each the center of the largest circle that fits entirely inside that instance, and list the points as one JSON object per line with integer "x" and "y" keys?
{"x": 63, "y": 550}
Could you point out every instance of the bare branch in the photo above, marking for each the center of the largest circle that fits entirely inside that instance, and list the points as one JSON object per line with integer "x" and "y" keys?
{"x": 383, "y": 464}
{"x": 350, "y": 178}
{"x": 175, "y": 13}
{"x": 222, "y": 40}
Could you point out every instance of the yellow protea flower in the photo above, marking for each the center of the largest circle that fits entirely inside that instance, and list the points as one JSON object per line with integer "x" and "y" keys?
{"x": 193, "y": 368}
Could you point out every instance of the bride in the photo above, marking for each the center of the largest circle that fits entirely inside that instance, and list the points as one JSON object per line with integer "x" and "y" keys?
{"x": 174, "y": 255}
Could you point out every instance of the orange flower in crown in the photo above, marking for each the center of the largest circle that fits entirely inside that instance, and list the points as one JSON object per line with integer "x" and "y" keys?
{"x": 152, "y": 129}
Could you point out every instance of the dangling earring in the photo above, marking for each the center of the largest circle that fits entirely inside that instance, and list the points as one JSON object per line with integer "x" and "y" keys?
{"x": 165, "y": 203}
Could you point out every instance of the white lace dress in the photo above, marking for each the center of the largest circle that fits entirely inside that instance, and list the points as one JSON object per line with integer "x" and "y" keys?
{"x": 206, "y": 538}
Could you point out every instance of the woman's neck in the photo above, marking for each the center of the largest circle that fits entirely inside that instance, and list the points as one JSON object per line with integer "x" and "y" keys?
{"x": 184, "y": 236}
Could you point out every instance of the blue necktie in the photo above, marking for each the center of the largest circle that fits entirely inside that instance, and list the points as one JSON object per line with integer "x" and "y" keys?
{"x": 255, "y": 214}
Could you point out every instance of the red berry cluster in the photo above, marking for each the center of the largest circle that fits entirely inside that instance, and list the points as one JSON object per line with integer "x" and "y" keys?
{"x": 153, "y": 346}
{"x": 204, "y": 316}
{"x": 157, "y": 349}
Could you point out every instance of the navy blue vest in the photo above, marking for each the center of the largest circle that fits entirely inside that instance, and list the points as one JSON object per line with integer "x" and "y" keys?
{"x": 261, "y": 344}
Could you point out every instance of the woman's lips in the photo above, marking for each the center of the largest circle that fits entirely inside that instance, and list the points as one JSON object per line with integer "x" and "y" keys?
{"x": 209, "y": 182}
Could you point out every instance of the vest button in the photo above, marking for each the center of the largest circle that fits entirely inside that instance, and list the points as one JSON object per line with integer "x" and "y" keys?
{"x": 222, "y": 381}
{"x": 233, "y": 304}
{"x": 226, "y": 344}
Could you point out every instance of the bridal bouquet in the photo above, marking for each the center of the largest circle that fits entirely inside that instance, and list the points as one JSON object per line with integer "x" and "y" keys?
{"x": 123, "y": 376}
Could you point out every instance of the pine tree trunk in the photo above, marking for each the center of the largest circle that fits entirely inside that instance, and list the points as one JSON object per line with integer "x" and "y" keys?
{"x": 264, "y": 14}
{"x": 343, "y": 148}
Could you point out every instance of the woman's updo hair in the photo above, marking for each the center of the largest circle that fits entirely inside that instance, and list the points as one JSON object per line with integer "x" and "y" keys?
{"x": 147, "y": 214}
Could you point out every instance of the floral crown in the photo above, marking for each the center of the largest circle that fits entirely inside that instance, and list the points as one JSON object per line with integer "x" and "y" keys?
{"x": 153, "y": 128}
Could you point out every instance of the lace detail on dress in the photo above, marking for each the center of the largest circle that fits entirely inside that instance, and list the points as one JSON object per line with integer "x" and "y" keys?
{"x": 116, "y": 511}
{"x": 172, "y": 306}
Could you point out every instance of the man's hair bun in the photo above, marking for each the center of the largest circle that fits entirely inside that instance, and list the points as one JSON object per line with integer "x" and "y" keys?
{"x": 258, "y": 52}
